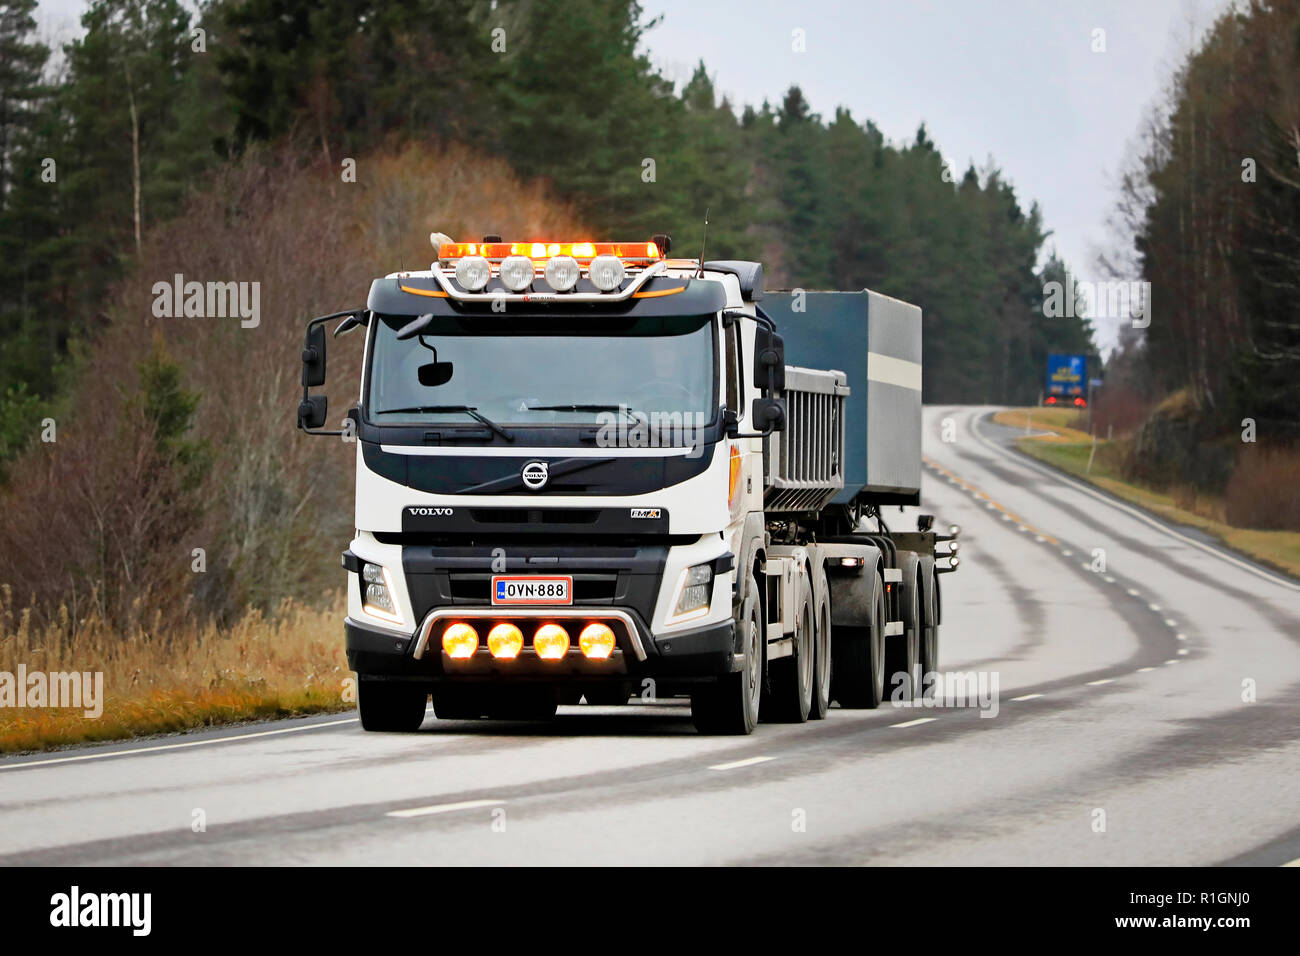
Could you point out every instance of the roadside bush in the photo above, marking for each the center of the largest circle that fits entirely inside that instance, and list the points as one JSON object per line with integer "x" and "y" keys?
{"x": 1264, "y": 490}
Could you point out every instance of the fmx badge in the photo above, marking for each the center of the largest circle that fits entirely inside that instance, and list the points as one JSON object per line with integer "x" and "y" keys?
{"x": 535, "y": 474}
{"x": 645, "y": 512}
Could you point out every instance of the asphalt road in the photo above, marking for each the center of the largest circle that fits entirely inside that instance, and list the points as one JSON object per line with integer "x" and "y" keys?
{"x": 1121, "y": 735}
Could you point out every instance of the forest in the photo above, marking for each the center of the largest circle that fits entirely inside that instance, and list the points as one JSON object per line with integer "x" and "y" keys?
{"x": 106, "y": 141}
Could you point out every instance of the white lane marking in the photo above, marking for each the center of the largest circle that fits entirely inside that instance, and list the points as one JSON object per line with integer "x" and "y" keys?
{"x": 1134, "y": 593}
{"x": 1143, "y": 670}
{"x": 1109, "y": 579}
{"x": 1182, "y": 650}
{"x": 1295, "y": 862}
{"x": 1154, "y": 607}
{"x": 443, "y": 808}
{"x": 1098, "y": 683}
{"x": 1172, "y": 660}
{"x": 1181, "y": 637}
{"x": 915, "y": 723}
{"x": 749, "y": 762}
{"x": 192, "y": 743}
{"x": 1039, "y": 538}
{"x": 1170, "y": 622}
{"x": 1127, "y": 509}
{"x": 1067, "y": 553}
{"x": 1026, "y": 697}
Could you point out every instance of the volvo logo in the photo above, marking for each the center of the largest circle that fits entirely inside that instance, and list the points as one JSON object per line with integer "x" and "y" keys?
{"x": 535, "y": 474}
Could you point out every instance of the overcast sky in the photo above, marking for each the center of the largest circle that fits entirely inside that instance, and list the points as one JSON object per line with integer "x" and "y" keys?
{"x": 1015, "y": 80}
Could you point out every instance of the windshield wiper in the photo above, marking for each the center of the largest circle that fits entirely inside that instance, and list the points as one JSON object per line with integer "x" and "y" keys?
{"x": 469, "y": 410}
{"x": 630, "y": 413}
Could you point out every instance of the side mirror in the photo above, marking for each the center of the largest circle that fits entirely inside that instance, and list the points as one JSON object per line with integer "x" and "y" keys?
{"x": 730, "y": 423}
{"x": 313, "y": 357}
{"x": 769, "y": 361}
{"x": 768, "y": 414}
{"x": 434, "y": 374}
{"x": 312, "y": 411}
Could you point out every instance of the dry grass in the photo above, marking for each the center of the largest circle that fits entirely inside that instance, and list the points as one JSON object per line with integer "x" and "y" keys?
{"x": 1185, "y": 506}
{"x": 1067, "y": 424}
{"x": 171, "y": 680}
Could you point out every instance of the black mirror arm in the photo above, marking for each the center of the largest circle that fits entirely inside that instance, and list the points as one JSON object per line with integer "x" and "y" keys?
{"x": 354, "y": 315}
{"x": 770, "y": 430}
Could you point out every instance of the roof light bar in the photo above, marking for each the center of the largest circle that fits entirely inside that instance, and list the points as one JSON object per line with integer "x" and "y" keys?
{"x": 630, "y": 252}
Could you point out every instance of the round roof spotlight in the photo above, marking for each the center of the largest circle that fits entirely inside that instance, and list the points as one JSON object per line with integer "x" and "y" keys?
{"x": 562, "y": 273}
{"x": 606, "y": 273}
{"x": 517, "y": 273}
{"x": 473, "y": 273}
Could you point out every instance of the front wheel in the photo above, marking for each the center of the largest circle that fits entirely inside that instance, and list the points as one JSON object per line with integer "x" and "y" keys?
{"x": 821, "y": 694}
{"x": 391, "y": 706}
{"x": 729, "y": 705}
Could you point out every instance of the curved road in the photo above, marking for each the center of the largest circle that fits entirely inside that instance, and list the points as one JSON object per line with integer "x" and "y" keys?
{"x": 1125, "y": 733}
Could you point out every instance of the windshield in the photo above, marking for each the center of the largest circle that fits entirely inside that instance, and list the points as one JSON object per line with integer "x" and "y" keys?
{"x": 543, "y": 370}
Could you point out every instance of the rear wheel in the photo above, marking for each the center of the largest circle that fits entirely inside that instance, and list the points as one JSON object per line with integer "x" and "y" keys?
{"x": 903, "y": 651}
{"x": 821, "y": 693}
{"x": 792, "y": 677}
{"x": 391, "y": 706}
{"x": 929, "y": 637}
{"x": 858, "y": 670}
{"x": 729, "y": 705}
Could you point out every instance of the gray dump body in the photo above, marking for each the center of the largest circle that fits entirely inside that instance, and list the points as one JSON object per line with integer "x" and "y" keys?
{"x": 876, "y": 342}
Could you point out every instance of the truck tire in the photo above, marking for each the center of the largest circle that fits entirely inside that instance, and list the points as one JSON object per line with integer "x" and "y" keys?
{"x": 903, "y": 651}
{"x": 391, "y": 706}
{"x": 858, "y": 668}
{"x": 791, "y": 678}
{"x": 729, "y": 704}
{"x": 929, "y": 634}
{"x": 821, "y": 694}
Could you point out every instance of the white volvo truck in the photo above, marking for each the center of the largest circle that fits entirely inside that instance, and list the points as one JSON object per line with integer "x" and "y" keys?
{"x": 585, "y": 471}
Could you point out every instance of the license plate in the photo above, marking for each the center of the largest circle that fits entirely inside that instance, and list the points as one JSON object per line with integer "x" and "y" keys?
{"x": 533, "y": 589}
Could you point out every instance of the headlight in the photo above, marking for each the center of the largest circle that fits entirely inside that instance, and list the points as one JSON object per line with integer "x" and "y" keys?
{"x": 694, "y": 593}
{"x": 517, "y": 273}
{"x": 606, "y": 273}
{"x": 377, "y": 593}
{"x": 473, "y": 273}
{"x": 562, "y": 273}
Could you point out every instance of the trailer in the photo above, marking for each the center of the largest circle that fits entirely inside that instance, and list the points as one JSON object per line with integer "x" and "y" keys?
{"x": 589, "y": 471}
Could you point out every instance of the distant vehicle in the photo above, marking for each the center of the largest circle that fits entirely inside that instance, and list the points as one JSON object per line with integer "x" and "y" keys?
{"x": 1067, "y": 380}
{"x": 585, "y": 470}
